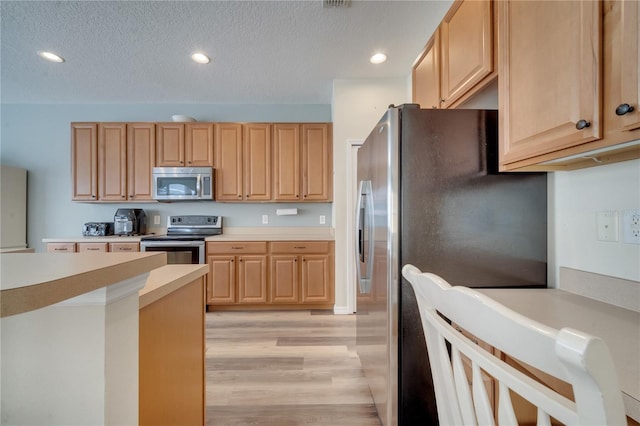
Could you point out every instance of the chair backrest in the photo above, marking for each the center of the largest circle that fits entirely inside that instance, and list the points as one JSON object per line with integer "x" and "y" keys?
{"x": 581, "y": 360}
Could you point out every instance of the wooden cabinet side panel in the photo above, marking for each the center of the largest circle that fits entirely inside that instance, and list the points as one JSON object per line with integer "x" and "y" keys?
{"x": 316, "y": 279}
{"x": 550, "y": 76}
{"x": 112, "y": 161}
{"x": 286, "y": 162}
{"x": 284, "y": 283}
{"x": 426, "y": 75}
{"x": 228, "y": 162}
{"x": 466, "y": 37}
{"x": 221, "y": 281}
{"x": 252, "y": 279}
{"x": 170, "y": 145}
{"x": 172, "y": 358}
{"x": 84, "y": 161}
{"x": 317, "y": 162}
{"x": 199, "y": 144}
{"x": 141, "y": 158}
{"x": 257, "y": 161}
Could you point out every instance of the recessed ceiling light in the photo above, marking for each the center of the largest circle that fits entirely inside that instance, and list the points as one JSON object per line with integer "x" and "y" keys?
{"x": 51, "y": 57}
{"x": 378, "y": 58}
{"x": 200, "y": 58}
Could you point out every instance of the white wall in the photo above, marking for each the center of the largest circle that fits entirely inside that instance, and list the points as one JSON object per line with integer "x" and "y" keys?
{"x": 357, "y": 107}
{"x": 575, "y": 199}
{"x": 37, "y": 138}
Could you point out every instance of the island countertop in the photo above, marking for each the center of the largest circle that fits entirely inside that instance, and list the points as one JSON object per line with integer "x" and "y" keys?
{"x": 30, "y": 281}
{"x": 169, "y": 278}
{"x": 618, "y": 327}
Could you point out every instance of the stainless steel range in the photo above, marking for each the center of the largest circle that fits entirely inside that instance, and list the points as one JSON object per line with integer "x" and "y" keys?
{"x": 184, "y": 241}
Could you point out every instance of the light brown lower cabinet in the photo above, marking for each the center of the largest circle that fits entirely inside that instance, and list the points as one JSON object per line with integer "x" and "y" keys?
{"x": 124, "y": 247}
{"x": 61, "y": 247}
{"x": 94, "y": 247}
{"x": 269, "y": 275}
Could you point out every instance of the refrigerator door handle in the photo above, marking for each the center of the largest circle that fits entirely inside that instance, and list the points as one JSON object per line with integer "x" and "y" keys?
{"x": 364, "y": 240}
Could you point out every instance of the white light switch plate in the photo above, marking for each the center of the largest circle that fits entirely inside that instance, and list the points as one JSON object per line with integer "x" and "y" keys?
{"x": 607, "y": 226}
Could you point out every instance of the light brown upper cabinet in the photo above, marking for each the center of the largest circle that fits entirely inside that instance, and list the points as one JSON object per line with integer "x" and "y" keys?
{"x": 243, "y": 162}
{"x": 621, "y": 73}
{"x": 302, "y": 162}
{"x": 112, "y": 161}
{"x": 185, "y": 145}
{"x": 459, "y": 59}
{"x": 228, "y": 162}
{"x": 257, "y": 161}
{"x": 426, "y": 74}
{"x": 466, "y": 36}
{"x": 550, "y": 76}
{"x": 317, "y": 162}
{"x": 126, "y": 155}
{"x": 141, "y": 156}
{"x": 563, "y": 104}
{"x": 84, "y": 161}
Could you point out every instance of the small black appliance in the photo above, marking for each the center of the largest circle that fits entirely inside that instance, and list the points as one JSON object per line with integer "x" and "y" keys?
{"x": 130, "y": 222}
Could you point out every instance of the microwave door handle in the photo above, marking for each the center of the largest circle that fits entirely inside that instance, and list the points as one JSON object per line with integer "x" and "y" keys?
{"x": 198, "y": 186}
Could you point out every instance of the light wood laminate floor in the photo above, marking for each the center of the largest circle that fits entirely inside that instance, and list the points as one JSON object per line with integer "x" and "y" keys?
{"x": 285, "y": 368}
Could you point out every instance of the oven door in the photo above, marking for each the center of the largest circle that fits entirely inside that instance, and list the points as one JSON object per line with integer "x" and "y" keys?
{"x": 177, "y": 251}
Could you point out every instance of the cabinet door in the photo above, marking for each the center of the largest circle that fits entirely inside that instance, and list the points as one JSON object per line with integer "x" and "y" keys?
{"x": 317, "y": 162}
{"x": 621, "y": 76}
{"x": 467, "y": 48}
{"x": 61, "y": 247}
{"x": 94, "y": 247}
{"x": 199, "y": 144}
{"x": 170, "y": 145}
{"x": 316, "y": 279}
{"x": 228, "y": 162}
{"x": 284, "y": 282}
{"x": 124, "y": 247}
{"x": 252, "y": 279}
{"x": 257, "y": 161}
{"x": 426, "y": 75}
{"x": 286, "y": 162}
{"x": 221, "y": 281}
{"x": 141, "y": 158}
{"x": 84, "y": 161}
{"x": 550, "y": 79}
{"x": 112, "y": 161}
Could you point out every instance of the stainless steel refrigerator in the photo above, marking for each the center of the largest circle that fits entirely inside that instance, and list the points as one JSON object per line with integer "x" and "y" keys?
{"x": 430, "y": 195}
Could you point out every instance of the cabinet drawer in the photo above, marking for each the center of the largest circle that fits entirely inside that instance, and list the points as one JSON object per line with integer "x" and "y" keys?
{"x": 126, "y": 247}
{"x": 242, "y": 247}
{"x": 61, "y": 247}
{"x": 300, "y": 247}
{"x": 93, "y": 247}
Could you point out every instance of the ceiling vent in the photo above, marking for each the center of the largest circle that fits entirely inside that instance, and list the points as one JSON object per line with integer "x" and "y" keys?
{"x": 335, "y": 3}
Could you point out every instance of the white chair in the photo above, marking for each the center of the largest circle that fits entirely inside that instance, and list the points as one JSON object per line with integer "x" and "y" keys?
{"x": 581, "y": 360}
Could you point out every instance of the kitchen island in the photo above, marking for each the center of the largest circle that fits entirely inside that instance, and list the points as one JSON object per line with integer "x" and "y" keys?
{"x": 69, "y": 336}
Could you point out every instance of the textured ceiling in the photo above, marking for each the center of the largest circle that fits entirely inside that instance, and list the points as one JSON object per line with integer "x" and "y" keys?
{"x": 261, "y": 51}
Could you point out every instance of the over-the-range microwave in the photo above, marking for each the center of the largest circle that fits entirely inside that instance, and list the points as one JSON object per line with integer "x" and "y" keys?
{"x": 182, "y": 183}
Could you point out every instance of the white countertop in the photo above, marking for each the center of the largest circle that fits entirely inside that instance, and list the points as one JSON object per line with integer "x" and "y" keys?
{"x": 30, "y": 281}
{"x": 168, "y": 279}
{"x": 618, "y": 327}
{"x": 267, "y": 233}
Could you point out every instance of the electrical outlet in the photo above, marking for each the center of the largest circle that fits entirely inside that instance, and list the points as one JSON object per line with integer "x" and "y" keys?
{"x": 607, "y": 226}
{"x": 322, "y": 220}
{"x": 265, "y": 219}
{"x": 631, "y": 226}
{"x": 156, "y": 219}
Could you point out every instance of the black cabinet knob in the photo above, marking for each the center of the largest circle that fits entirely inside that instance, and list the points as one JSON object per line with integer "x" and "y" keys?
{"x": 623, "y": 109}
{"x": 582, "y": 124}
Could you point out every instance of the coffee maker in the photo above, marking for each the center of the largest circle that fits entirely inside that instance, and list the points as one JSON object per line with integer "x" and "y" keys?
{"x": 130, "y": 222}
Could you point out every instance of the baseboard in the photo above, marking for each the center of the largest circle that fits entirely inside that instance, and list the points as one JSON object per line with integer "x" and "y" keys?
{"x": 341, "y": 310}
